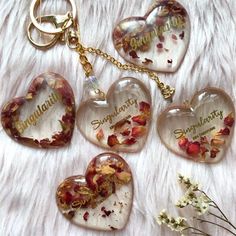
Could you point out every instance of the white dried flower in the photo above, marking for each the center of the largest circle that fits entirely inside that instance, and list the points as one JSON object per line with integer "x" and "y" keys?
{"x": 175, "y": 224}
{"x": 201, "y": 204}
{"x": 188, "y": 183}
{"x": 188, "y": 198}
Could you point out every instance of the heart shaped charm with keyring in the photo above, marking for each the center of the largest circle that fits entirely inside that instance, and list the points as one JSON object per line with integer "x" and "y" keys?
{"x": 102, "y": 199}
{"x": 45, "y": 117}
{"x": 157, "y": 41}
{"x": 200, "y": 130}
{"x": 120, "y": 120}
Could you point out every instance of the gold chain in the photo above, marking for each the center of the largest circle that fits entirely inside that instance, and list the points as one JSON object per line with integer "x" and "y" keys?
{"x": 166, "y": 90}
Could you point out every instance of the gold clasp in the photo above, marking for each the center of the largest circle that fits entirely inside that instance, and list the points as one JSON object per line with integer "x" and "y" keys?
{"x": 65, "y": 27}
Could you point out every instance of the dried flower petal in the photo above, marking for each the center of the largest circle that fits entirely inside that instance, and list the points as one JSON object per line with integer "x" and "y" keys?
{"x": 229, "y": 120}
{"x": 182, "y": 35}
{"x": 183, "y": 143}
{"x": 147, "y": 61}
{"x": 141, "y": 120}
{"x": 225, "y": 131}
{"x": 214, "y": 152}
{"x": 144, "y": 108}
{"x": 204, "y": 140}
{"x": 217, "y": 142}
{"x": 193, "y": 149}
{"x": 129, "y": 141}
{"x": 100, "y": 135}
{"x": 126, "y": 132}
{"x": 112, "y": 140}
{"x": 133, "y": 54}
{"x": 85, "y": 216}
{"x": 138, "y": 131}
{"x": 159, "y": 45}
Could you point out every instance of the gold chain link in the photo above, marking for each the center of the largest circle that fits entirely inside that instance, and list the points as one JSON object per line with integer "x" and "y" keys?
{"x": 166, "y": 90}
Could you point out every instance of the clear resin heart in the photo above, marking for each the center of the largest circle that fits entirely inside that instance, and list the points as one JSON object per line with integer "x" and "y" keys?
{"x": 200, "y": 130}
{"x": 121, "y": 121}
{"x": 157, "y": 41}
{"x": 43, "y": 118}
{"x": 102, "y": 199}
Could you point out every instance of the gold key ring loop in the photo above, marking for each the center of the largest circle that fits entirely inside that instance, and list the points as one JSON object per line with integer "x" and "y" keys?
{"x": 60, "y": 27}
{"x": 48, "y": 44}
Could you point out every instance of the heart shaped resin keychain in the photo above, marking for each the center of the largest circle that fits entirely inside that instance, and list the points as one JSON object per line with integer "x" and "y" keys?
{"x": 200, "y": 130}
{"x": 121, "y": 119}
{"x": 102, "y": 199}
{"x": 43, "y": 118}
{"x": 157, "y": 41}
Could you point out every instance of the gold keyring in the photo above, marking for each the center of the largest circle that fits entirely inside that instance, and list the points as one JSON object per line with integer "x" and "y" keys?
{"x": 33, "y": 7}
{"x": 49, "y": 44}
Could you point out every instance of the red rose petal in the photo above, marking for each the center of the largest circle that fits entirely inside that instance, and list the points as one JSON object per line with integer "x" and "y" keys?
{"x": 229, "y": 120}
{"x": 129, "y": 141}
{"x": 138, "y": 131}
{"x": 193, "y": 149}
{"x": 86, "y": 215}
{"x": 183, "y": 143}
{"x": 141, "y": 120}
{"x": 112, "y": 140}
{"x": 133, "y": 54}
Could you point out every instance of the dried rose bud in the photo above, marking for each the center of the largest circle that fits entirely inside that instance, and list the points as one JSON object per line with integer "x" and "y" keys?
{"x": 129, "y": 141}
{"x": 183, "y": 143}
{"x": 217, "y": 142}
{"x": 229, "y": 120}
{"x": 141, "y": 119}
{"x": 193, "y": 149}
{"x": 138, "y": 131}
{"x": 214, "y": 152}
{"x": 225, "y": 131}
{"x": 159, "y": 45}
{"x": 112, "y": 140}
{"x": 100, "y": 135}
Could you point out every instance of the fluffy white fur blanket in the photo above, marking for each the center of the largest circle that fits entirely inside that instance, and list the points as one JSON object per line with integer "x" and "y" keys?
{"x": 29, "y": 177}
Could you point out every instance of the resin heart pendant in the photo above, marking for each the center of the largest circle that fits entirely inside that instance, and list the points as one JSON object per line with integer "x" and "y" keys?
{"x": 121, "y": 121}
{"x": 200, "y": 130}
{"x": 157, "y": 41}
{"x": 45, "y": 117}
{"x": 102, "y": 199}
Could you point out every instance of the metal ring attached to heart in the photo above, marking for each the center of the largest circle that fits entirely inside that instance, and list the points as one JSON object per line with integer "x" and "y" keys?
{"x": 43, "y": 118}
{"x": 102, "y": 199}
{"x": 200, "y": 130}
{"x": 157, "y": 41}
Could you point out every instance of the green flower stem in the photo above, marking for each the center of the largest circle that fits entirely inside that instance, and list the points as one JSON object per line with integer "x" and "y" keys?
{"x": 221, "y": 226}
{"x": 198, "y": 230}
{"x": 210, "y": 213}
{"x": 215, "y": 205}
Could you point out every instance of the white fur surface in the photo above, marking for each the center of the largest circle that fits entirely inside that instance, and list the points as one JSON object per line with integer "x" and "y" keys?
{"x": 29, "y": 177}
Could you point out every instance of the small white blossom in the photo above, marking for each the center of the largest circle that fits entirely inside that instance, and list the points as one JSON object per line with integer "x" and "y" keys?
{"x": 188, "y": 183}
{"x": 175, "y": 224}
